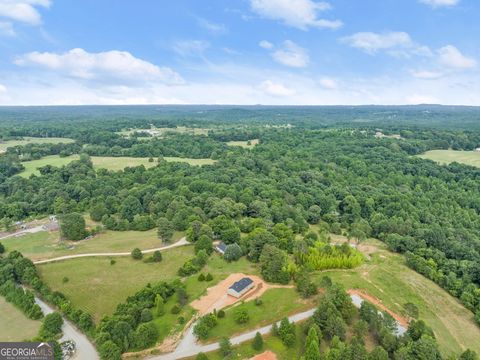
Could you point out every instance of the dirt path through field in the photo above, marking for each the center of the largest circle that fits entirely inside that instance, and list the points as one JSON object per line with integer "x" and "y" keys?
{"x": 400, "y": 319}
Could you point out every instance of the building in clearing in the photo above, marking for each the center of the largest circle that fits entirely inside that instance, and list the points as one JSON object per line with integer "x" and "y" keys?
{"x": 240, "y": 287}
{"x": 221, "y": 247}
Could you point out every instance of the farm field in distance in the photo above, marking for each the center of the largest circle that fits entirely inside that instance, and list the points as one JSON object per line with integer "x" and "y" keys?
{"x": 33, "y": 140}
{"x": 104, "y": 162}
{"x": 448, "y": 156}
{"x": 249, "y": 144}
{"x": 14, "y": 325}
{"x": 45, "y": 245}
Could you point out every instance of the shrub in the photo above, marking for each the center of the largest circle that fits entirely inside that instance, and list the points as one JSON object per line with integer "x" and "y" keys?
{"x": 51, "y": 326}
{"x": 146, "y": 315}
{"x": 209, "y": 277}
{"x": 201, "y": 277}
{"x": 2, "y": 248}
{"x": 113, "y": 262}
{"x": 201, "y": 356}
{"x": 221, "y": 314}
{"x": 65, "y": 279}
{"x": 258, "y": 302}
{"x": 241, "y": 316}
{"x": 137, "y": 254}
{"x": 175, "y": 309}
{"x": 157, "y": 256}
{"x": 181, "y": 320}
{"x": 225, "y": 347}
{"x": 257, "y": 343}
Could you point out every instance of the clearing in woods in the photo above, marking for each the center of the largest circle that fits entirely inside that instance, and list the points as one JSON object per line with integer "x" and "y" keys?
{"x": 98, "y": 287}
{"x": 448, "y": 156}
{"x": 104, "y": 162}
{"x": 386, "y": 277}
{"x": 33, "y": 140}
{"x": 14, "y": 325}
{"x": 46, "y": 245}
{"x": 249, "y": 144}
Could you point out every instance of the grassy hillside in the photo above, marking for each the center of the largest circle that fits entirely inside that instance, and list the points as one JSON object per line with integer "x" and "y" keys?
{"x": 14, "y": 325}
{"x": 111, "y": 284}
{"x": 448, "y": 156}
{"x": 386, "y": 277}
{"x": 46, "y": 245}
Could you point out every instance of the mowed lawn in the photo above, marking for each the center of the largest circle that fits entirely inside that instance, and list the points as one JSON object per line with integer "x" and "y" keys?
{"x": 387, "y": 277}
{"x": 33, "y": 140}
{"x": 47, "y": 245}
{"x": 244, "y": 144}
{"x": 448, "y": 156}
{"x": 276, "y": 304}
{"x": 14, "y": 325}
{"x": 98, "y": 287}
{"x": 103, "y": 162}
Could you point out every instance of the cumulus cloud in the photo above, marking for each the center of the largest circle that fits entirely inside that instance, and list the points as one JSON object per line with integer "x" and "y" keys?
{"x": 300, "y": 14}
{"x": 24, "y": 11}
{"x": 329, "y": 84}
{"x": 395, "y": 43}
{"x": 425, "y": 74}
{"x": 440, "y": 3}
{"x": 265, "y": 44}
{"x": 110, "y": 66}
{"x": 190, "y": 47}
{"x": 275, "y": 88}
{"x": 291, "y": 54}
{"x": 452, "y": 57}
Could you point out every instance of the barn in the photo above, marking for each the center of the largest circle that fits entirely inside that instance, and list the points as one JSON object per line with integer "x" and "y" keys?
{"x": 240, "y": 287}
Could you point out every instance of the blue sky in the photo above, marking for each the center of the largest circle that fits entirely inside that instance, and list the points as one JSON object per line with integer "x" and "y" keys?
{"x": 239, "y": 52}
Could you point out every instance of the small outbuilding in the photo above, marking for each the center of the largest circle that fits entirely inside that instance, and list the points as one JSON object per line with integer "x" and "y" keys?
{"x": 240, "y": 287}
{"x": 221, "y": 247}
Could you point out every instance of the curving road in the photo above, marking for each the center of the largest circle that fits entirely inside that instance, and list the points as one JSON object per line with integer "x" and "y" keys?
{"x": 182, "y": 242}
{"x": 84, "y": 348}
{"x": 188, "y": 346}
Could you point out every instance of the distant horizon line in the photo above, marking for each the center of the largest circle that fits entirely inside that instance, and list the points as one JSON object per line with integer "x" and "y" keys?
{"x": 242, "y": 105}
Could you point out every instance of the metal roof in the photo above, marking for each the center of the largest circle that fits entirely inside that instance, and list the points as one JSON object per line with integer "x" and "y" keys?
{"x": 241, "y": 284}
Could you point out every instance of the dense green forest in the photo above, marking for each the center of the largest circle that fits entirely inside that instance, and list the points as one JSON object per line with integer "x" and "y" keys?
{"x": 326, "y": 168}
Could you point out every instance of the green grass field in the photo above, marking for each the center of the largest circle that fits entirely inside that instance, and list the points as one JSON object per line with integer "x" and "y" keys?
{"x": 33, "y": 140}
{"x": 448, "y": 156}
{"x": 277, "y": 303}
{"x": 386, "y": 277}
{"x": 244, "y": 144}
{"x": 14, "y": 325}
{"x": 103, "y": 162}
{"x": 98, "y": 287}
{"x": 47, "y": 245}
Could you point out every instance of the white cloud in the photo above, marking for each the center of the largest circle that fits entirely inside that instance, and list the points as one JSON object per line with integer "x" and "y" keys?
{"x": 328, "y": 83}
{"x": 395, "y": 43}
{"x": 24, "y": 11}
{"x": 275, "y": 89}
{"x": 291, "y": 54}
{"x": 417, "y": 99}
{"x": 211, "y": 26}
{"x": 3, "y": 89}
{"x": 440, "y": 3}
{"x": 110, "y": 66}
{"x": 452, "y": 57}
{"x": 6, "y": 29}
{"x": 190, "y": 47}
{"x": 300, "y": 14}
{"x": 265, "y": 44}
{"x": 425, "y": 74}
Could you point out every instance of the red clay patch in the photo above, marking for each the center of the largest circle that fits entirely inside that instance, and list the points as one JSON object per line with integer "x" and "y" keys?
{"x": 267, "y": 355}
{"x": 400, "y": 319}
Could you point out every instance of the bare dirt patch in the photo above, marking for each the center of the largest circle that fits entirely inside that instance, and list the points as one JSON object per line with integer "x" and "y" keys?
{"x": 267, "y": 355}
{"x": 218, "y": 298}
{"x": 378, "y": 303}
